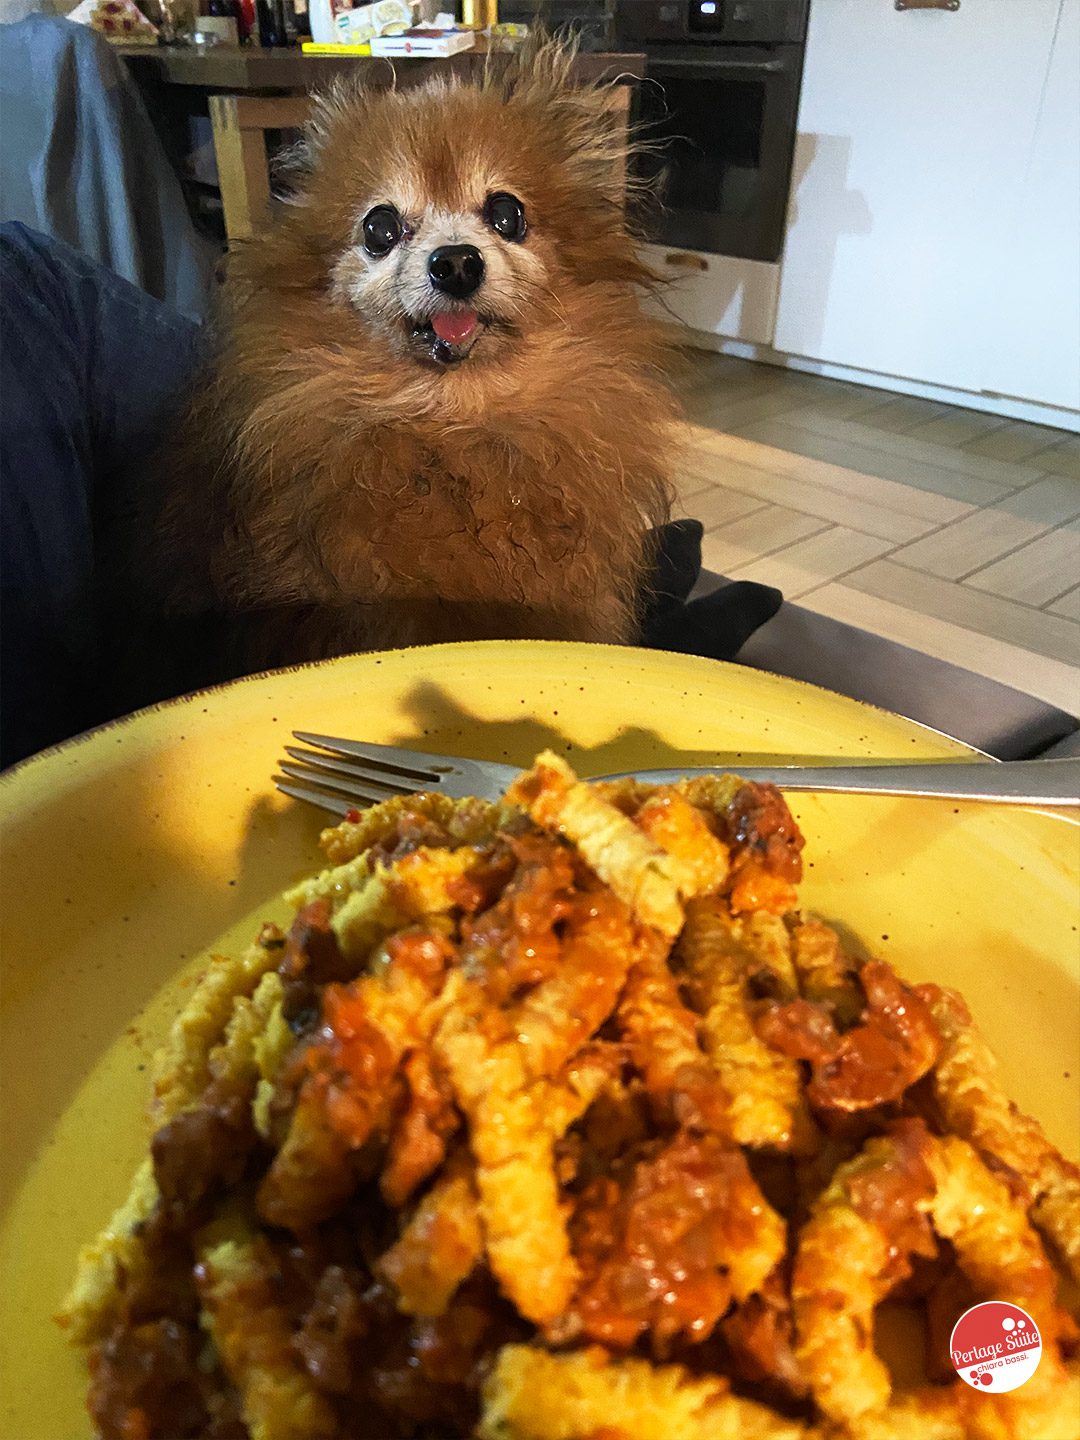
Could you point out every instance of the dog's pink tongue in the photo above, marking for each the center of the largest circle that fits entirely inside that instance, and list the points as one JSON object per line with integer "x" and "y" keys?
{"x": 454, "y": 327}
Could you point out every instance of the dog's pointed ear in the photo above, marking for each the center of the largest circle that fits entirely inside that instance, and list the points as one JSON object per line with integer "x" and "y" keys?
{"x": 586, "y": 124}
{"x": 341, "y": 103}
{"x": 328, "y": 105}
{"x": 595, "y": 135}
{"x": 343, "y": 96}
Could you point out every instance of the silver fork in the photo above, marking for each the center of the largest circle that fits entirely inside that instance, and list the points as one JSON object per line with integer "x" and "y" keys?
{"x": 340, "y": 775}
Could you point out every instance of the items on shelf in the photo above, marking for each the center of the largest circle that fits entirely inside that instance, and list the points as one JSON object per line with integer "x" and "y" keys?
{"x": 424, "y": 42}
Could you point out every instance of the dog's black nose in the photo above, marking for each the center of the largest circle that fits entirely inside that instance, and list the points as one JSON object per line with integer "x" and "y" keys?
{"x": 456, "y": 270}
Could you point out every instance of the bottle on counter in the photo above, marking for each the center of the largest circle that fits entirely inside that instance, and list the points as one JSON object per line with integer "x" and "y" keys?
{"x": 246, "y": 22}
{"x": 301, "y": 20}
{"x": 479, "y": 14}
{"x": 226, "y": 13}
{"x": 273, "y": 30}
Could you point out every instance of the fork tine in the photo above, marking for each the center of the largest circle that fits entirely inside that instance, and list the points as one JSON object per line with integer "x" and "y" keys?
{"x": 413, "y": 763}
{"x": 315, "y": 797}
{"x": 351, "y": 786}
{"x": 357, "y": 770}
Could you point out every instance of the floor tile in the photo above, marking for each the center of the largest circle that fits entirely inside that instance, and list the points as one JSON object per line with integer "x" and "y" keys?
{"x": 985, "y": 535}
{"x": 1054, "y": 499}
{"x": 1015, "y": 443}
{"x": 716, "y": 506}
{"x": 914, "y": 453}
{"x": 880, "y": 459}
{"x": 818, "y": 500}
{"x": 990, "y": 615}
{"x": 811, "y": 562}
{"x": 957, "y": 427}
{"x": 747, "y": 539}
{"x": 841, "y": 398}
{"x": 726, "y": 412}
{"x": 1037, "y": 572}
{"x": 1060, "y": 459}
{"x": 698, "y": 369}
{"x": 854, "y": 484}
{"x": 687, "y": 484}
{"x": 941, "y": 527}
{"x": 901, "y": 413}
{"x": 1047, "y": 679}
{"x": 978, "y": 539}
{"x": 814, "y": 499}
{"x": 728, "y": 379}
{"x": 1067, "y": 604}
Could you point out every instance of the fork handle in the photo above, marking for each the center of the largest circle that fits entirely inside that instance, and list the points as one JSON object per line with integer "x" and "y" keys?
{"x": 1015, "y": 782}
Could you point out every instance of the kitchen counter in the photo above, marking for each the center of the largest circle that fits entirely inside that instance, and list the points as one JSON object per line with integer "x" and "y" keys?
{"x": 248, "y": 91}
{"x": 250, "y": 70}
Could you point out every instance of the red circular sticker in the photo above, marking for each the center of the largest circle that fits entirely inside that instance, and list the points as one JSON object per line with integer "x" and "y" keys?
{"x": 995, "y": 1347}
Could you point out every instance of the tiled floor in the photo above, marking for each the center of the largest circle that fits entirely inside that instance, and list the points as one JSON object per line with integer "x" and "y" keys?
{"x": 949, "y": 530}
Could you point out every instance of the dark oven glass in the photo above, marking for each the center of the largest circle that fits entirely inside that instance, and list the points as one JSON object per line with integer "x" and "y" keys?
{"x": 722, "y": 133}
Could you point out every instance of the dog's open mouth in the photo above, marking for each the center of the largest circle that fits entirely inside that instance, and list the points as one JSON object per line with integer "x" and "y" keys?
{"x": 448, "y": 337}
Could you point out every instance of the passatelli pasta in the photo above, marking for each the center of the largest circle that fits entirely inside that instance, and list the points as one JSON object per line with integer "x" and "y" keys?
{"x": 558, "y": 1120}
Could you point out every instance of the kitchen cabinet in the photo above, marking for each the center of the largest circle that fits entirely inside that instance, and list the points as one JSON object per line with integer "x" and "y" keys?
{"x": 934, "y": 220}
{"x": 1035, "y": 351}
{"x": 715, "y": 294}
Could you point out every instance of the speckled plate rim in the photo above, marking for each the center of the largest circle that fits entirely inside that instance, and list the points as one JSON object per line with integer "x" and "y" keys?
{"x": 14, "y": 774}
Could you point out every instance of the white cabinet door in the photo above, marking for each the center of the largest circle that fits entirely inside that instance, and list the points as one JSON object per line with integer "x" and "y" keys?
{"x": 715, "y": 294}
{"x": 915, "y": 133}
{"x": 1036, "y": 350}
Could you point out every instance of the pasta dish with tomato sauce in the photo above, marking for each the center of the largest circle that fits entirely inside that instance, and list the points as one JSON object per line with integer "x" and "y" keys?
{"x": 557, "y": 1119}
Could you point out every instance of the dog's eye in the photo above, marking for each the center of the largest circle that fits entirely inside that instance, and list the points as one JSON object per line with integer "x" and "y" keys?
{"x": 506, "y": 216}
{"x": 382, "y": 230}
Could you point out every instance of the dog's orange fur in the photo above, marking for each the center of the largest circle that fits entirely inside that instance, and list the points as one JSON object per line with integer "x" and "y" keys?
{"x": 343, "y": 496}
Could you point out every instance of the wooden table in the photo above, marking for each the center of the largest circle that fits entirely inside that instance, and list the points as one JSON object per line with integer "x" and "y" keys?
{"x": 250, "y": 90}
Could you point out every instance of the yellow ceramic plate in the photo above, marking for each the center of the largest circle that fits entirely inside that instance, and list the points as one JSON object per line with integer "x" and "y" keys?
{"x": 131, "y": 851}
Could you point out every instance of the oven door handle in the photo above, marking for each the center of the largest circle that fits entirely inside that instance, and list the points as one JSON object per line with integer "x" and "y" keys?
{"x": 692, "y": 68}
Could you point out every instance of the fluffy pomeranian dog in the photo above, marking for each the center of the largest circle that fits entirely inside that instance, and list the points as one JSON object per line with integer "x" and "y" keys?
{"x": 436, "y": 411}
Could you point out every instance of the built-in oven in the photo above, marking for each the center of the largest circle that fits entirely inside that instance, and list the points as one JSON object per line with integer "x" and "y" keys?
{"x": 719, "y": 109}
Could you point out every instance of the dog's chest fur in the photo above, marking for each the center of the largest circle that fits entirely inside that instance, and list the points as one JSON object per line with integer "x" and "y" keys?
{"x": 468, "y": 516}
